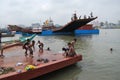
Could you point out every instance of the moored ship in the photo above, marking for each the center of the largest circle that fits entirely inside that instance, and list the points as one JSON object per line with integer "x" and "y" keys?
{"x": 49, "y": 28}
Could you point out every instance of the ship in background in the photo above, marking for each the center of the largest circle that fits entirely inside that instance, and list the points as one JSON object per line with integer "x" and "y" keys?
{"x": 74, "y": 26}
{"x": 5, "y": 32}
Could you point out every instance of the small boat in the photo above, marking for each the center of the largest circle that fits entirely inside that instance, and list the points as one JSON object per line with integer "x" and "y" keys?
{"x": 23, "y": 39}
{"x": 7, "y": 33}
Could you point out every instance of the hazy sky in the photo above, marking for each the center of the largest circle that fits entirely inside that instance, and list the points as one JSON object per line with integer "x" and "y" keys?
{"x": 33, "y": 11}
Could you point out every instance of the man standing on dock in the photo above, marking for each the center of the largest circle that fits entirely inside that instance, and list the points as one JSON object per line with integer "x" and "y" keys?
{"x": 0, "y": 40}
{"x": 40, "y": 45}
{"x": 1, "y": 46}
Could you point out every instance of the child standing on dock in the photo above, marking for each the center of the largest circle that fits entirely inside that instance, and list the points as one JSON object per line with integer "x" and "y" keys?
{"x": 25, "y": 46}
{"x": 28, "y": 47}
{"x": 0, "y": 40}
{"x": 73, "y": 42}
{"x": 40, "y": 45}
{"x": 1, "y": 55}
{"x": 33, "y": 45}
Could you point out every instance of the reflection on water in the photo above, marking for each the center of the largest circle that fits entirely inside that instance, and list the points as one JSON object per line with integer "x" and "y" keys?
{"x": 99, "y": 63}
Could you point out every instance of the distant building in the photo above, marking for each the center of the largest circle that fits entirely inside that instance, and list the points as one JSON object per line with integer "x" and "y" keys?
{"x": 96, "y": 24}
{"x": 107, "y": 25}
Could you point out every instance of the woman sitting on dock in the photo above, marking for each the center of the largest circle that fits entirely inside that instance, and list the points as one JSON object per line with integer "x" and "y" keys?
{"x": 70, "y": 51}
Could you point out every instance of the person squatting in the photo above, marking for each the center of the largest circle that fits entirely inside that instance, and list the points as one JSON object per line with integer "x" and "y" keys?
{"x": 28, "y": 47}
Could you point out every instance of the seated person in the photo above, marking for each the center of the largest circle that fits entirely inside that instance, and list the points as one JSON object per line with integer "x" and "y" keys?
{"x": 69, "y": 52}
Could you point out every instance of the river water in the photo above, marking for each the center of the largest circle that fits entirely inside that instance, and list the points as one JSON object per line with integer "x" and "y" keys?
{"x": 99, "y": 63}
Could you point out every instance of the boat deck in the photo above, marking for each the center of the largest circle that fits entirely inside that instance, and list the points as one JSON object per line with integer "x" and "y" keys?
{"x": 15, "y": 55}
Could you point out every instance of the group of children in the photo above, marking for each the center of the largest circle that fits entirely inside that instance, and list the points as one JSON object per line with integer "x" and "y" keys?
{"x": 30, "y": 46}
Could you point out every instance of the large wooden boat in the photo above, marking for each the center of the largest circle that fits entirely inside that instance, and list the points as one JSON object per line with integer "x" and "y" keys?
{"x": 20, "y": 29}
{"x": 50, "y": 62}
{"x": 73, "y": 25}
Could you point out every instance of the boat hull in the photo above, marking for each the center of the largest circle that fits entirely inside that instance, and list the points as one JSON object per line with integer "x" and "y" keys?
{"x": 80, "y": 32}
{"x": 42, "y": 69}
{"x": 55, "y": 62}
